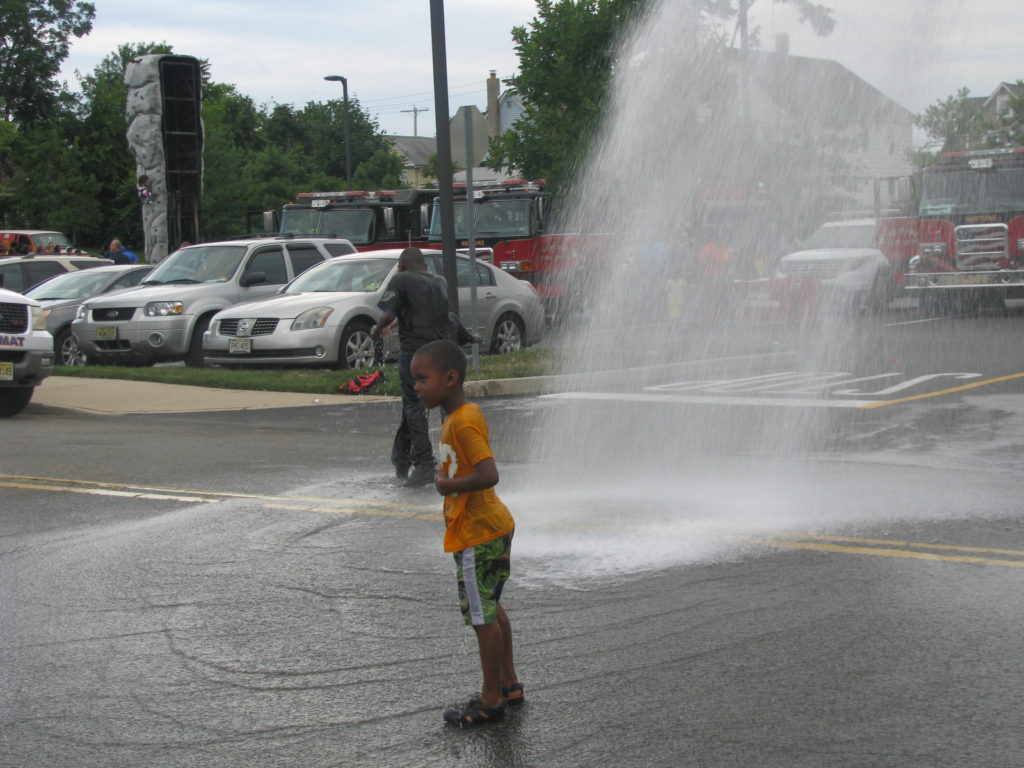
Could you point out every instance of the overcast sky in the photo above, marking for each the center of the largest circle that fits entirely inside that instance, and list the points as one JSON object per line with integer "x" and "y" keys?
{"x": 915, "y": 51}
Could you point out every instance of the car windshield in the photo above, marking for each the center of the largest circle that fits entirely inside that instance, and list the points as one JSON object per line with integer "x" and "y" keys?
{"x": 57, "y": 238}
{"x": 494, "y": 218}
{"x": 71, "y": 285}
{"x": 842, "y": 236}
{"x": 971, "y": 191}
{"x": 344, "y": 274}
{"x": 198, "y": 264}
{"x": 355, "y": 224}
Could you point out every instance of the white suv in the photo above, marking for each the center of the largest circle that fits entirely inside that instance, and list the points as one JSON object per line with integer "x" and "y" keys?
{"x": 165, "y": 317}
{"x": 845, "y": 257}
{"x": 26, "y": 350}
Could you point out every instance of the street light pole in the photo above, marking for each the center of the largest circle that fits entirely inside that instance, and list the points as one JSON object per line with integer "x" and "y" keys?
{"x": 348, "y": 148}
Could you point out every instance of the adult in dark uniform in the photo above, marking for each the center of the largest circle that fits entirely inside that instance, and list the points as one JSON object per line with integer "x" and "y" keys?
{"x": 419, "y": 301}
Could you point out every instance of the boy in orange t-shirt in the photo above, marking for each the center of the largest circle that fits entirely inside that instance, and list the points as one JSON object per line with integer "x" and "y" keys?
{"x": 478, "y": 527}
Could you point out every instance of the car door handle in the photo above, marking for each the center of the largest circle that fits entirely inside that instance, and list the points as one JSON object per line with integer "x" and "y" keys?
{"x": 490, "y": 295}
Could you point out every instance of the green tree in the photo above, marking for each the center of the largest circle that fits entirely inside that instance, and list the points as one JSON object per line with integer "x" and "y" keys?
{"x": 955, "y": 122}
{"x": 34, "y": 41}
{"x": 566, "y": 60}
{"x": 382, "y": 170}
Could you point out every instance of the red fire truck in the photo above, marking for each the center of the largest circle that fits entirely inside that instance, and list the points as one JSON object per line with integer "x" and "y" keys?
{"x": 510, "y": 219}
{"x": 971, "y": 230}
{"x": 370, "y": 220}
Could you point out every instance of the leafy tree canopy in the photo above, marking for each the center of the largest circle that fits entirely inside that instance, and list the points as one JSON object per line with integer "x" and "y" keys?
{"x": 566, "y": 61}
{"x": 34, "y": 41}
{"x": 959, "y": 123}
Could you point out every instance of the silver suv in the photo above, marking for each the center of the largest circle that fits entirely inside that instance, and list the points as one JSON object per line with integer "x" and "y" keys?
{"x": 26, "y": 350}
{"x": 165, "y": 317}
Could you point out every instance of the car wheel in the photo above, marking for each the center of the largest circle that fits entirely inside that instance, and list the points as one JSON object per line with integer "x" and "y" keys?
{"x": 194, "y": 356}
{"x": 356, "y": 349}
{"x": 14, "y": 399}
{"x": 508, "y": 335}
{"x": 66, "y": 348}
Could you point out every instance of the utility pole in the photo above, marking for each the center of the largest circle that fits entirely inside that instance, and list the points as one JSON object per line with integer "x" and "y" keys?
{"x": 446, "y": 195}
{"x": 415, "y": 114}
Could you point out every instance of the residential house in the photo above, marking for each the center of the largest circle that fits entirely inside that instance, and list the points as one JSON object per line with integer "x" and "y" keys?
{"x": 415, "y": 152}
{"x": 819, "y": 97}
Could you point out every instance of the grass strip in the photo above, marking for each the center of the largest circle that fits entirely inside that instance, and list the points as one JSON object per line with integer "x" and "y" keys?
{"x": 530, "y": 362}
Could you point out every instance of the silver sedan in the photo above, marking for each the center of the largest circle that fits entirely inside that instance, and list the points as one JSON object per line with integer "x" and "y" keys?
{"x": 324, "y": 316}
{"x": 61, "y": 296}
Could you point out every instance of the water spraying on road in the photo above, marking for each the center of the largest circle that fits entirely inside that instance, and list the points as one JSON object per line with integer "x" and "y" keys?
{"x": 712, "y": 165}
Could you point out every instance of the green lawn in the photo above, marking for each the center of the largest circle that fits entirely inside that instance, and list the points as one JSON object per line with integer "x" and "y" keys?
{"x": 531, "y": 362}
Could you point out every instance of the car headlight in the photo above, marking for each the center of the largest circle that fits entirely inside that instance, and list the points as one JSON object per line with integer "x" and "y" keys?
{"x": 933, "y": 249}
{"x": 38, "y": 319}
{"x": 83, "y": 312}
{"x": 312, "y": 318}
{"x": 164, "y": 308}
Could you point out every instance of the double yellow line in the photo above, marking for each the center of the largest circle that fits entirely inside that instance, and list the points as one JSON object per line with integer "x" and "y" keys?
{"x": 1006, "y": 558}
{"x": 947, "y": 553}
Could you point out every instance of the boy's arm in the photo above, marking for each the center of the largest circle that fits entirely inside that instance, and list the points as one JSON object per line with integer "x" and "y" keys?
{"x": 483, "y": 476}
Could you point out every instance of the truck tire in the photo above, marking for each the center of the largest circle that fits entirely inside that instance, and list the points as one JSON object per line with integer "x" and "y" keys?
{"x": 14, "y": 399}
{"x": 194, "y": 357}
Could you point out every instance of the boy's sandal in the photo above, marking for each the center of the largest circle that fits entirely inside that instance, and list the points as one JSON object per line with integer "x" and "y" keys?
{"x": 473, "y": 713}
{"x": 514, "y": 695}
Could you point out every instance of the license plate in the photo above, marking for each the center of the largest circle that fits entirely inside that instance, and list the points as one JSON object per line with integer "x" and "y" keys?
{"x": 6, "y": 371}
{"x": 106, "y": 334}
{"x": 239, "y": 346}
{"x": 970, "y": 280}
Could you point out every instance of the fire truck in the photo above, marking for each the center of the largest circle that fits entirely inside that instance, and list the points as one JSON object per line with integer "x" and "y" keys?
{"x": 513, "y": 221}
{"x": 371, "y": 220}
{"x": 510, "y": 218}
{"x": 970, "y": 230}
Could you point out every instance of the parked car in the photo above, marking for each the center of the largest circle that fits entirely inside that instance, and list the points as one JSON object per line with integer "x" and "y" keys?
{"x": 26, "y": 351}
{"x": 845, "y": 258}
{"x": 23, "y": 241}
{"x": 61, "y": 296}
{"x": 166, "y": 316}
{"x": 20, "y": 273}
{"x": 324, "y": 316}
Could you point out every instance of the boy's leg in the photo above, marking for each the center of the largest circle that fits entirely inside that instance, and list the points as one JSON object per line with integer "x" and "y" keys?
{"x": 508, "y": 667}
{"x": 482, "y": 572}
{"x": 492, "y": 650}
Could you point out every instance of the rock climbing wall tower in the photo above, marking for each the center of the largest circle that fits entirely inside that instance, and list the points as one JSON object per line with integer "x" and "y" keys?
{"x": 165, "y": 132}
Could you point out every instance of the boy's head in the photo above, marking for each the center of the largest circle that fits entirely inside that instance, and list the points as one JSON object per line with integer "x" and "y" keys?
{"x": 439, "y": 368}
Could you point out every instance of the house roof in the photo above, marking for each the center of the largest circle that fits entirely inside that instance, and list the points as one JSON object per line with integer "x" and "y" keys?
{"x": 415, "y": 149}
{"x": 512, "y": 94}
{"x": 1014, "y": 89}
{"x": 820, "y": 89}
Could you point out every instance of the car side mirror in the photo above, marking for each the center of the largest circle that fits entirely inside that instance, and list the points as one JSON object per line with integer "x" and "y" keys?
{"x": 252, "y": 278}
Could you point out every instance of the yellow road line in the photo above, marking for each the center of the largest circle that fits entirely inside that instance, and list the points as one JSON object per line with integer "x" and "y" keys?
{"x": 915, "y": 544}
{"x": 100, "y": 487}
{"x": 787, "y": 540}
{"x": 951, "y": 390}
{"x": 889, "y": 552}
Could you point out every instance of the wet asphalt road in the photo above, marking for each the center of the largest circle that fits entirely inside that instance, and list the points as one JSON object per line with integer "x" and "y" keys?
{"x": 241, "y": 589}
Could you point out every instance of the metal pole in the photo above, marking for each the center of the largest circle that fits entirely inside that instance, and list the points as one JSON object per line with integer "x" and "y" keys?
{"x": 446, "y": 196}
{"x": 471, "y": 235}
{"x": 344, "y": 124}
{"x": 348, "y": 141}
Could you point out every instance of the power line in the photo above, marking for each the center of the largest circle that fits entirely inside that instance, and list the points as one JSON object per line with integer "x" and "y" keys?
{"x": 408, "y": 98}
